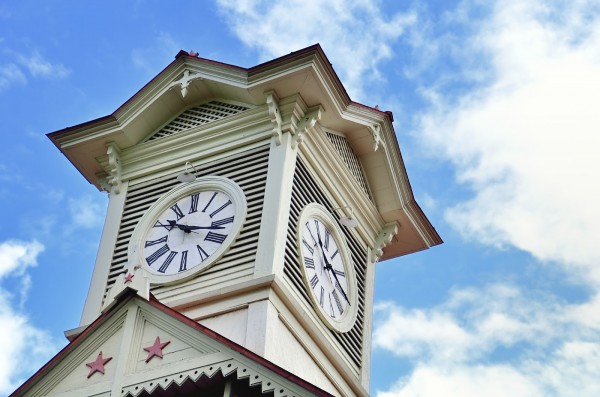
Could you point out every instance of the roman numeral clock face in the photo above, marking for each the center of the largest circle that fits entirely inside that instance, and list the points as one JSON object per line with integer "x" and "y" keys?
{"x": 188, "y": 229}
{"x": 326, "y": 268}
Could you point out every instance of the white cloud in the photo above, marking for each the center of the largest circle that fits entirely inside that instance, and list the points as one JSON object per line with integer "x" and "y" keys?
{"x": 11, "y": 74}
{"x": 440, "y": 381}
{"x": 356, "y": 35}
{"x": 526, "y": 143}
{"x": 40, "y": 67}
{"x": 553, "y": 351}
{"x": 86, "y": 213}
{"x": 23, "y": 347}
{"x": 32, "y": 65}
{"x": 16, "y": 257}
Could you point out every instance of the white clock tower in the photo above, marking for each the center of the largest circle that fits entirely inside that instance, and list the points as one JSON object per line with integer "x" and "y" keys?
{"x": 248, "y": 208}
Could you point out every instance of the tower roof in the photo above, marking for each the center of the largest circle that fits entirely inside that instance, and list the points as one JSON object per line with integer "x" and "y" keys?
{"x": 190, "y": 80}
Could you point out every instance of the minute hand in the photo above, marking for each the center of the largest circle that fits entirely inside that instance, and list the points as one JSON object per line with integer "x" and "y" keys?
{"x": 188, "y": 228}
{"x": 330, "y": 268}
{"x": 204, "y": 227}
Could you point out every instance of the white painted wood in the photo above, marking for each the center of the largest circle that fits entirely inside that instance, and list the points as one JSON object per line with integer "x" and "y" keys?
{"x": 110, "y": 231}
{"x": 275, "y": 216}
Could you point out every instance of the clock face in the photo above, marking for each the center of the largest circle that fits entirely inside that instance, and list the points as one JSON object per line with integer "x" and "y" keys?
{"x": 186, "y": 234}
{"x": 188, "y": 229}
{"x": 326, "y": 268}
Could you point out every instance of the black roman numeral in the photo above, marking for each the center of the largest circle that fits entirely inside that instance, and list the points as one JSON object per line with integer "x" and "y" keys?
{"x": 194, "y": 204}
{"x": 310, "y": 232}
{"x": 222, "y": 221}
{"x": 309, "y": 263}
{"x": 308, "y": 247}
{"x": 157, "y": 254}
{"x": 338, "y": 303}
{"x": 210, "y": 201}
{"x": 314, "y": 281}
{"x": 335, "y": 253}
{"x": 154, "y": 242}
{"x": 339, "y": 272}
{"x": 167, "y": 261}
{"x": 158, "y": 224}
{"x": 321, "y": 296}
{"x": 183, "y": 263}
{"x": 331, "y": 312}
{"x": 177, "y": 211}
{"x": 203, "y": 254}
{"x": 215, "y": 237}
{"x": 220, "y": 208}
{"x": 326, "y": 242}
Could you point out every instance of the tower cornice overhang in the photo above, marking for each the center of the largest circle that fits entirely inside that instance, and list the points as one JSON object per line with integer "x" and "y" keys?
{"x": 307, "y": 73}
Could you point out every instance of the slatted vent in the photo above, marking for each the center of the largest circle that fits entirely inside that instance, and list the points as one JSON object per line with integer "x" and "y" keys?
{"x": 305, "y": 190}
{"x": 247, "y": 169}
{"x": 202, "y": 114}
{"x": 350, "y": 159}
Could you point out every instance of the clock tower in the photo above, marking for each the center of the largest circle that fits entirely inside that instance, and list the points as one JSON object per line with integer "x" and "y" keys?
{"x": 248, "y": 208}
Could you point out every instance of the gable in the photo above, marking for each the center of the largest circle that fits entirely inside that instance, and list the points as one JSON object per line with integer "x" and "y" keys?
{"x": 198, "y": 115}
{"x": 138, "y": 348}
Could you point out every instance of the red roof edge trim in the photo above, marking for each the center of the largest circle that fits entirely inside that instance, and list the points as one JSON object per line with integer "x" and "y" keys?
{"x": 388, "y": 113}
{"x": 128, "y": 295}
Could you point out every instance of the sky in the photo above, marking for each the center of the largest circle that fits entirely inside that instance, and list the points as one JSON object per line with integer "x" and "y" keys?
{"x": 496, "y": 112}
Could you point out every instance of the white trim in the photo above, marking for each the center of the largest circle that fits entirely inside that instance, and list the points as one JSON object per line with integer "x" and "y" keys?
{"x": 110, "y": 232}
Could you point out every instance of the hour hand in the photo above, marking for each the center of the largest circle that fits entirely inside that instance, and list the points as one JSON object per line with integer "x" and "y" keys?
{"x": 216, "y": 227}
{"x": 189, "y": 228}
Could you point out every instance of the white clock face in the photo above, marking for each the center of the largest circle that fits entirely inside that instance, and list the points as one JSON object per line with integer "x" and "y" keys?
{"x": 324, "y": 268}
{"x": 188, "y": 232}
{"x": 188, "y": 229}
{"x": 327, "y": 268}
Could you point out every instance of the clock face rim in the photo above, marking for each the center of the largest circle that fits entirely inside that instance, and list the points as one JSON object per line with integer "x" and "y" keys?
{"x": 347, "y": 320}
{"x": 147, "y": 221}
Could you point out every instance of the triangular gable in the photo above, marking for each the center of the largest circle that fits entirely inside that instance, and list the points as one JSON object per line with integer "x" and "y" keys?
{"x": 138, "y": 347}
{"x": 199, "y": 115}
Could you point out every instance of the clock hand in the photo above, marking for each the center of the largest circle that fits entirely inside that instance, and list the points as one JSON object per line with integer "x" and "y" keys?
{"x": 337, "y": 281}
{"x": 330, "y": 268}
{"x": 189, "y": 228}
{"x": 168, "y": 227}
{"x": 205, "y": 227}
{"x": 323, "y": 256}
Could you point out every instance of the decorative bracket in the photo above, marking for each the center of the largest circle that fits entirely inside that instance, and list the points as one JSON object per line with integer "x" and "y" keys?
{"x": 376, "y": 132}
{"x": 384, "y": 238}
{"x": 307, "y": 122}
{"x": 114, "y": 167}
{"x": 274, "y": 114}
{"x": 185, "y": 81}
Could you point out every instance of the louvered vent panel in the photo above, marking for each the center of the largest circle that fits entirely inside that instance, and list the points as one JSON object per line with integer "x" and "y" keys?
{"x": 350, "y": 159}
{"x": 305, "y": 191}
{"x": 202, "y": 114}
{"x": 247, "y": 169}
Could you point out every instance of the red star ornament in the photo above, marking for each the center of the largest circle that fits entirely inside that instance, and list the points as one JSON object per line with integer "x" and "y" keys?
{"x": 128, "y": 278}
{"x": 156, "y": 349}
{"x": 98, "y": 365}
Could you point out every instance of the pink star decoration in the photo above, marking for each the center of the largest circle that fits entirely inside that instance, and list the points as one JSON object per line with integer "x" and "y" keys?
{"x": 128, "y": 278}
{"x": 98, "y": 365}
{"x": 156, "y": 349}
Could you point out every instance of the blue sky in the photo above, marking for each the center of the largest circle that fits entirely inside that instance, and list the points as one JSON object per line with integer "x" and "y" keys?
{"x": 496, "y": 111}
